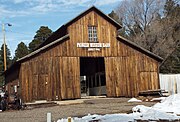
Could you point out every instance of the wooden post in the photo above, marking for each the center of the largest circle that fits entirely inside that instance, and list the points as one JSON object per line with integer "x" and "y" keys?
{"x": 69, "y": 119}
{"x": 175, "y": 86}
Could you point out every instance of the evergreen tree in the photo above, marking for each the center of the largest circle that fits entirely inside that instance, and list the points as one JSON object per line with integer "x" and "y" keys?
{"x": 114, "y": 16}
{"x": 8, "y": 61}
{"x": 21, "y": 51}
{"x": 172, "y": 62}
{"x": 41, "y": 35}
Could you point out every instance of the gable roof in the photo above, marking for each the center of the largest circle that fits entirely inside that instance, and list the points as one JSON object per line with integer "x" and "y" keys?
{"x": 63, "y": 29}
{"x": 61, "y": 34}
{"x": 44, "y": 47}
{"x": 141, "y": 49}
{"x": 93, "y": 8}
{"x": 17, "y": 63}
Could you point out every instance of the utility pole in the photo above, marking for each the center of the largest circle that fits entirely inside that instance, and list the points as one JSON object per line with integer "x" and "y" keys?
{"x": 4, "y": 45}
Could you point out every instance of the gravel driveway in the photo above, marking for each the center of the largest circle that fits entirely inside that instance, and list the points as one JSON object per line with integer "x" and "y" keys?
{"x": 93, "y": 106}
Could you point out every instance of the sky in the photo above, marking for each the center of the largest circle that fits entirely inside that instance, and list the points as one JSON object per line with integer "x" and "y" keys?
{"x": 26, "y": 16}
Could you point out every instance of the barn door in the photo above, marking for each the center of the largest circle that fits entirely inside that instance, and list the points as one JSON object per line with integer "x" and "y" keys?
{"x": 110, "y": 82}
{"x": 70, "y": 77}
{"x": 42, "y": 89}
{"x": 115, "y": 76}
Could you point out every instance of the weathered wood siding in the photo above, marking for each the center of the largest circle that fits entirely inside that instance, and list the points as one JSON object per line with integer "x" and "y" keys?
{"x": 10, "y": 87}
{"x": 13, "y": 79}
{"x": 50, "y": 78}
{"x": 78, "y": 31}
{"x": 128, "y": 71}
{"x": 55, "y": 73}
{"x": 127, "y": 75}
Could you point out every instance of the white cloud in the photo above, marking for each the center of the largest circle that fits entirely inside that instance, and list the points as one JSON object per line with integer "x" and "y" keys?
{"x": 67, "y": 2}
{"x": 6, "y": 12}
{"x": 63, "y": 2}
{"x": 3, "y": 11}
{"x": 105, "y": 2}
{"x": 44, "y": 6}
{"x": 75, "y": 2}
{"x": 19, "y": 1}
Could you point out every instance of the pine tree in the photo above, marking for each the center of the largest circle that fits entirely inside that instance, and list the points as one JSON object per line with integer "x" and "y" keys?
{"x": 114, "y": 16}
{"x": 8, "y": 61}
{"x": 21, "y": 51}
{"x": 41, "y": 35}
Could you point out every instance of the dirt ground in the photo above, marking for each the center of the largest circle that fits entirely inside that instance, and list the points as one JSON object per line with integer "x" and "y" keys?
{"x": 92, "y": 106}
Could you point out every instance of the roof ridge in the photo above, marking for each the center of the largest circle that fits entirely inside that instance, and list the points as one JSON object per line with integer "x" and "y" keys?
{"x": 88, "y": 10}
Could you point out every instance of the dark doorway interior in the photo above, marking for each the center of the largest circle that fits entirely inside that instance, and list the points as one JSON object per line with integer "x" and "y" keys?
{"x": 92, "y": 72}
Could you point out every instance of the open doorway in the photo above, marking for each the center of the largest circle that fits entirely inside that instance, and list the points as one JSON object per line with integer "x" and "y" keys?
{"x": 93, "y": 78}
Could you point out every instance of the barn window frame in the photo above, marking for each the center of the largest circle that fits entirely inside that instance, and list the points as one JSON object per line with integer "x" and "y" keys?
{"x": 92, "y": 34}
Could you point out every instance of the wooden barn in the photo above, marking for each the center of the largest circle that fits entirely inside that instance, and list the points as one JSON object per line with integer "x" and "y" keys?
{"x": 84, "y": 57}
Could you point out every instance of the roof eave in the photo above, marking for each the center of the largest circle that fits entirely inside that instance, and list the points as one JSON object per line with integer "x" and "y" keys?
{"x": 43, "y": 48}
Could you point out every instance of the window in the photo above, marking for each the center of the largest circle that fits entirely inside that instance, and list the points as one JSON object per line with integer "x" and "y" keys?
{"x": 92, "y": 33}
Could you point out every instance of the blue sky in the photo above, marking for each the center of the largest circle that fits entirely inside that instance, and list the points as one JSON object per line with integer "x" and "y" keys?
{"x": 26, "y": 16}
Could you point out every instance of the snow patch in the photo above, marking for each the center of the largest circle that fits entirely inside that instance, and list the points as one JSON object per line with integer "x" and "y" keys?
{"x": 105, "y": 118}
{"x": 134, "y": 100}
{"x": 170, "y": 104}
{"x": 166, "y": 110}
{"x": 158, "y": 99}
{"x": 150, "y": 113}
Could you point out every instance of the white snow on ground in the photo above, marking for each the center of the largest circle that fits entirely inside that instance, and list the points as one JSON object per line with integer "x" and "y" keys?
{"x": 150, "y": 113}
{"x": 171, "y": 104}
{"x": 166, "y": 110}
{"x": 158, "y": 99}
{"x": 134, "y": 100}
{"x": 105, "y": 118}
